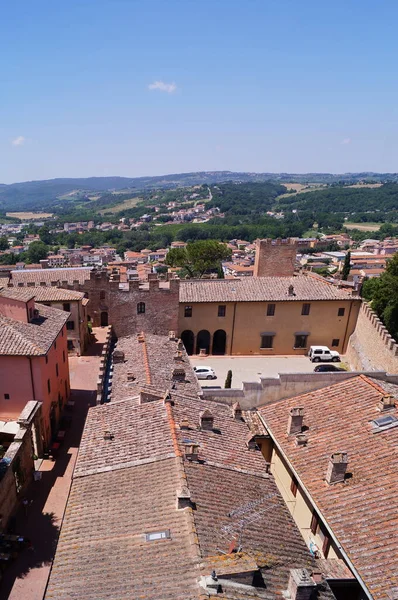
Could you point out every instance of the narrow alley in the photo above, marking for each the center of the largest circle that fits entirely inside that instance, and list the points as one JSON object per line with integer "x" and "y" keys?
{"x": 40, "y": 519}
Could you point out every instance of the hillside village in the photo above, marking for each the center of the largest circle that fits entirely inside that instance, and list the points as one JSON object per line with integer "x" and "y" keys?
{"x": 184, "y": 488}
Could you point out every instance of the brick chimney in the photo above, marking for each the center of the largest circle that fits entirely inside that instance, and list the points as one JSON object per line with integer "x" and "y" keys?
{"x": 191, "y": 451}
{"x": 386, "y": 402}
{"x": 206, "y": 420}
{"x": 237, "y": 411}
{"x": 301, "y": 585}
{"x": 295, "y": 421}
{"x": 337, "y": 468}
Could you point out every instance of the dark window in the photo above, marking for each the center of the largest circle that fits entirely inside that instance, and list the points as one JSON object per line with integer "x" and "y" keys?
{"x": 141, "y": 308}
{"x": 102, "y": 295}
{"x": 306, "y": 309}
{"x": 70, "y": 345}
{"x": 326, "y": 546}
{"x": 55, "y": 345}
{"x": 314, "y": 522}
{"x": 56, "y": 370}
{"x": 270, "y": 310}
{"x": 46, "y": 360}
{"x": 340, "y": 312}
{"x": 67, "y": 306}
{"x": 294, "y": 486}
{"x": 70, "y": 325}
{"x": 6, "y": 396}
{"x": 335, "y": 342}
{"x": 300, "y": 341}
{"x": 188, "y": 311}
{"x": 66, "y": 389}
{"x": 63, "y": 354}
{"x": 48, "y": 386}
{"x": 222, "y": 309}
{"x": 267, "y": 341}
{"x": 62, "y": 332}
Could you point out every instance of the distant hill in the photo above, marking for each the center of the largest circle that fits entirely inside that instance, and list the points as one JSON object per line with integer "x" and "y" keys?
{"x": 52, "y": 193}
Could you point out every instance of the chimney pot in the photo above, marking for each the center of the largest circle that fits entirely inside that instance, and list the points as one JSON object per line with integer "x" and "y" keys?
{"x": 184, "y": 425}
{"x": 295, "y": 421}
{"x": 337, "y": 468}
{"x": 301, "y": 439}
{"x": 118, "y": 356}
{"x": 206, "y": 420}
{"x": 172, "y": 335}
{"x": 291, "y": 290}
{"x": 184, "y": 498}
{"x": 387, "y": 402}
{"x": 237, "y": 411}
{"x": 301, "y": 585}
{"x": 191, "y": 451}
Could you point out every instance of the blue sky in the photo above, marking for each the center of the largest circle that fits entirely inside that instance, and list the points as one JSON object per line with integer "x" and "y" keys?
{"x": 148, "y": 87}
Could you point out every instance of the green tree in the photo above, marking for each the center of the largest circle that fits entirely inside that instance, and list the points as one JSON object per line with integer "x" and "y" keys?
{"x": 383, "y": 296}
{"x": 37, "y": 251}
{"x": 199, "y": 257}
{"x": 4, "y": 243}
{"x": 228, "y": 381}
{"x": 346, "y": 267}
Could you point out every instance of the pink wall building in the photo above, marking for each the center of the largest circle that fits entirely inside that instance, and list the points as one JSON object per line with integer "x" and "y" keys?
{"x": 33, "y": 358}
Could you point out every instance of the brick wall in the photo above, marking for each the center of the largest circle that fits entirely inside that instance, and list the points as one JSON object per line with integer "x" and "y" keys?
{"x": 275, "y": 258}
{"x": 371, "y": 347}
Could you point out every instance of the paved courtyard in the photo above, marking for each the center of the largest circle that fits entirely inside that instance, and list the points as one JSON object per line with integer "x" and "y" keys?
{"x": 26, "y": 578}
{"x": 250, "y": 368}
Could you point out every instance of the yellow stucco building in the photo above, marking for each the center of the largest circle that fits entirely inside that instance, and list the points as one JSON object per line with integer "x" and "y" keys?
{"x": 265, "y": 315}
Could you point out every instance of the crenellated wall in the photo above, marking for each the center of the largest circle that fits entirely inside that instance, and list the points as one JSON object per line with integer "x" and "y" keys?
{"x": 371, "y": 347}
{"x": 117, "y": 304}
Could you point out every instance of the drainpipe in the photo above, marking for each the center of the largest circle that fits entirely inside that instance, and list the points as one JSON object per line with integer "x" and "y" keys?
{"x": 233, "y": 329}
{"x": 31, "y": 378}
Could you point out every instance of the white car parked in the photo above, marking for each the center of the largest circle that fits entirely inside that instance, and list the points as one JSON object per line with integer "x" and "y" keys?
{"x": 205, "y": 373}
{"x": 323, "y": 353}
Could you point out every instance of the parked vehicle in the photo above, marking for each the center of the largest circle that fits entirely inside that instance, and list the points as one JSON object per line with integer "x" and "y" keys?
{"x": 205, "y": 372}
{"x": 327, "y": 369}
{"x": 323, "y": 353}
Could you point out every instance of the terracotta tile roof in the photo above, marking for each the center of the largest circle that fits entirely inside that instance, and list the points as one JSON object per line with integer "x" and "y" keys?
{"x": 363, "y": 511}
{"x": 259, "y": 289}
{"x": 127, "y": 486}
{"x": 42, "y": 294}
{"x": 150, "y": 362}
{"x": 31, "y": 339}
{"x": 24, "y": 295}
{"x": 48, "y": 276}
{"x": 102, "y": 551}
{"x": 140, "y": 433}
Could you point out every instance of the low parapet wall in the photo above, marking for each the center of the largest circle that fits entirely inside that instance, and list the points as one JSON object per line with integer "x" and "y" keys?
{"x": 271, "y": 389}
{"x": 371, "y": 347}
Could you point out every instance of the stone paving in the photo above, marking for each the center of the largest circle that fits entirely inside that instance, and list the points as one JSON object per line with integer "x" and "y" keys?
{"x": 27, "y": 577}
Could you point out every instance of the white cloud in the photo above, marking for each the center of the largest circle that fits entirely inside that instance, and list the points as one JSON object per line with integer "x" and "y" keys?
{"x": 19, "y": 141}
{"x": 346, "y": 141}
{"x": 162, "y": 86}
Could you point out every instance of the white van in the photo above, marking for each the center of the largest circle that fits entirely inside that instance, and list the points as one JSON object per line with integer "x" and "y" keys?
{"x": 323, "y": 353}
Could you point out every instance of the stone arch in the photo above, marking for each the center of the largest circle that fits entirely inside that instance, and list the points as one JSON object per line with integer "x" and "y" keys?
{"x": 188, "y": 339}
{"x": 219, "y": 342}
{"x": 203, "y": 341}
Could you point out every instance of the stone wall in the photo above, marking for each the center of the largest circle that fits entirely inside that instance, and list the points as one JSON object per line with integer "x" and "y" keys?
{"x": 275, "y": 258}
{"x": 117, "y": 304}
{"x": 371, "y": 347}
{"x": 18, "y": 463}
{"x": 287, "y": 385}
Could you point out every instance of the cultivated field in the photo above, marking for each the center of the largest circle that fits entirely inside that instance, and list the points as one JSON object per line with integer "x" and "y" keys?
{"x": 300, "y": 188}
{"x": 363, "y": 226}
{"x": 130, "y": 203}
{"x": 29, "y": 216}
{"x": 365, "y": 185}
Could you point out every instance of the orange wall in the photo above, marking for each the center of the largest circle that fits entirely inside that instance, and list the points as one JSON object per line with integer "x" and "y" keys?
{"x": 16, "y": 380}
